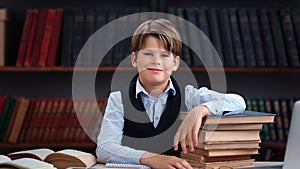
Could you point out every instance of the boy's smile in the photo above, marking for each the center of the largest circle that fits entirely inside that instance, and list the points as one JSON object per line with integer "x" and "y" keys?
{"x": 155, "y": 64}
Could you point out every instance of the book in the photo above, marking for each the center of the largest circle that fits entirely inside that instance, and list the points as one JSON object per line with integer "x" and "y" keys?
{"x": 267, "y": 38}
{"x": 231, "y": 152}
{"x": 226, "y": 38}
{"x": 278, "y": 38}
{"x": 204, "y": 159}
{"x": 60, "y": 159}
{"x": 251, "y": 126}
{"x": 19, "y": 120}
{"x": 24, "y": 163}
{"x": 215, "y": 32}
{"x": 256, "y": 38}
{"x": 55, "y": 40}
{"x": 3, "y": 20}
{"x": 289, "y": 38}
{"x": 31, "y": 38}
{"x": 47, "y": 36}
{"x": 229, "y": 145}
{"x": 24, "y": 37}
{"x": 236, "y": 37}
{"x": 217, "y": 136}
{"x": 225, "y": 164}
{"x": 246, "y": 38}
{"x": 243, "y": 117}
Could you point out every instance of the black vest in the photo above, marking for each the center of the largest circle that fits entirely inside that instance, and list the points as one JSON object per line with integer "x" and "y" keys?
{"x": 139, "y": 132}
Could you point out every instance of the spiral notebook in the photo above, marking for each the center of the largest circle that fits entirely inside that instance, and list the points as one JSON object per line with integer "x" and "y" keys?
{"x": 122, "y": 165}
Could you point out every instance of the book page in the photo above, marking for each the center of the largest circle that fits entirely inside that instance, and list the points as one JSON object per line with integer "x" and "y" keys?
{"x": 40, "y": 153}
{"x": 4, "y": 158}
{"x": 74, "y": 157}
{"x": 28, "y": 163}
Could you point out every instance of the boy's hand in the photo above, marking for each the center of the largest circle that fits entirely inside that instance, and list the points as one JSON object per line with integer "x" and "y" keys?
{"x": 187, "y": 133}
{"x": 164, "y": 161}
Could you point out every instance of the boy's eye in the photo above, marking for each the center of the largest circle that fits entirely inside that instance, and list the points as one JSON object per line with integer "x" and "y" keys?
{"x": 165, "y": 55}
{"x": 148, "y": 54}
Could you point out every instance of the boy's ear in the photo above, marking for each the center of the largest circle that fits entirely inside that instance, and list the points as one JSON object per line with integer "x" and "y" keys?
{"x": 176, "y": 63}
{"x": 133, "y": 59}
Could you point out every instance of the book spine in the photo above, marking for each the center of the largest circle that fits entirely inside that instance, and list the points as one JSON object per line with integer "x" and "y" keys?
{"x": 267, "y": 38}
{"x": 226, "y": 38}
{"x": 289, "y": 38}
{"x": 278, "y": 38}
{"x": 194, "y": 39}
{"x": 38, "y": 38}
{"x": 236, "y": 37}
{"x": 24, "y": 38}
{"x": 67, "y": 38}
{"x": 31, "y": 39}
{"x": 256, "y": 38}
{"x": 215, "y": 32}
{"x": 46, "y": 38}
{"x": 246, "y": 38}
{"x": 55, "y": 40}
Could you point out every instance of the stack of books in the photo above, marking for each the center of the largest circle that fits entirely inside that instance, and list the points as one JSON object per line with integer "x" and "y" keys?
{"x": 228, "y": 140}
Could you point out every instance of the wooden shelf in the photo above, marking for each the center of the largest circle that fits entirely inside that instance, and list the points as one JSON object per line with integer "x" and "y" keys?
{"x": 113, "y": 68}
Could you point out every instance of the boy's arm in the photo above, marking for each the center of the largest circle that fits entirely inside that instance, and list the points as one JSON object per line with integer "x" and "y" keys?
{"x": 200, "y": 103}
{"x": 109, "y": 148}
{"x": 216, "y": 102}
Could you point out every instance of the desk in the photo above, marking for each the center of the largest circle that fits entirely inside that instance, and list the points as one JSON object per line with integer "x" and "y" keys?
{"x": 255, "y": 164}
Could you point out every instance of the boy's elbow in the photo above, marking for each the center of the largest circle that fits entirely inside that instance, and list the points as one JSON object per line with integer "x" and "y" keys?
{"x": 242, "y": 102}
{"x": 100, "y": 155}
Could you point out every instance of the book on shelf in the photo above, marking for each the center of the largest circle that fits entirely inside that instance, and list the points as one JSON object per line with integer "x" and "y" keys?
{"x": 3, "y": 20}
{"x": 267, "y": 38}
{"x": 24, "y": 163}
{"x": 256, "y": 38}
{"x": 60, "y": 159}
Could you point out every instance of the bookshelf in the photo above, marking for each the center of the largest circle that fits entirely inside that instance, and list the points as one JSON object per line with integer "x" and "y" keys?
{"x": 278, "y": 82}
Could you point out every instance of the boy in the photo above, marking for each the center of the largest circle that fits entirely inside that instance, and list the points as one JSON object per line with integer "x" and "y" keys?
{"x": 146, "y": 113}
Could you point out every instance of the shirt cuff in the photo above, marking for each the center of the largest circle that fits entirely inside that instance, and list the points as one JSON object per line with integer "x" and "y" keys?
{"x": 214, "y": 107}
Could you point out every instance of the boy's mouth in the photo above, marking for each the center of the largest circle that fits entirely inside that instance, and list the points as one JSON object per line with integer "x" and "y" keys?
{"x": 154, "y": 69}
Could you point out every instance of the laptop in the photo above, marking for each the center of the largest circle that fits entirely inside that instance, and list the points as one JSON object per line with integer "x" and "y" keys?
{"x": 292, "y": 152}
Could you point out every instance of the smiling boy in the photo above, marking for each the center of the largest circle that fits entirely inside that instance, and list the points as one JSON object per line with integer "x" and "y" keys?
{"x": 150, "y": 106}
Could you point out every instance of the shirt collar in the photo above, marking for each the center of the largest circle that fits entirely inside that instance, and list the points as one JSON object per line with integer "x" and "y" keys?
{"x": 139, "y": 88}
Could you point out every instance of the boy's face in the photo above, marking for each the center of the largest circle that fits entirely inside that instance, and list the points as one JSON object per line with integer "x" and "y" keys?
{"x": 154, "y": 63}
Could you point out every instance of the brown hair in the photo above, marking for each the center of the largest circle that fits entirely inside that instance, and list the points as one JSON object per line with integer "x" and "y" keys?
{"x": 162, "y": 29}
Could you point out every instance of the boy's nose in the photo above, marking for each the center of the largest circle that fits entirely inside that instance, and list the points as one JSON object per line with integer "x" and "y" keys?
{"x": 156, "y": 59}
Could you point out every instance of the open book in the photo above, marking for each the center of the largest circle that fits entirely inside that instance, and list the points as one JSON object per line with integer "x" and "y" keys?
{"x": 60, "y": 159}
{"x": 24, "y": 163}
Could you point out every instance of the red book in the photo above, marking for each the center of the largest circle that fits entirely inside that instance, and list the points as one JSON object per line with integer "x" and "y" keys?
{"x": 31, "y": 38}
{"x": 47, "y": 35}
{"x": 24, "y": 38}
{"x": 32, "y": 121}
{"x": 38, "y": 38}
{"x": 27, "y": 121}
{"x": 54, "y": 42}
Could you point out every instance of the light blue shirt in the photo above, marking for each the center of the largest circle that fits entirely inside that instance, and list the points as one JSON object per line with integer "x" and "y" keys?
{"x": 109, "y": 148}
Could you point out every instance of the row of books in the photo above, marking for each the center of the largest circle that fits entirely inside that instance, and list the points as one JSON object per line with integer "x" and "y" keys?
{"x": 38, "y": 116}
{"x": 44, "y": 120}
{"x": 282, "y": 107}
{"x": 242, "y": 37}
{"x": 228, "y": 140}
